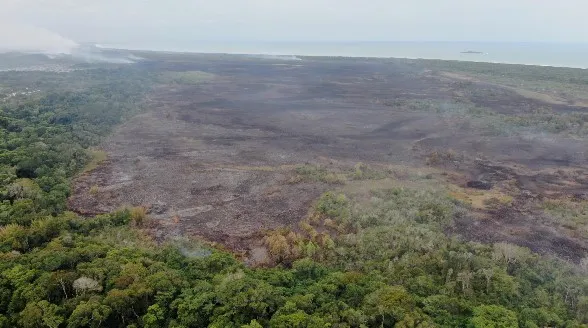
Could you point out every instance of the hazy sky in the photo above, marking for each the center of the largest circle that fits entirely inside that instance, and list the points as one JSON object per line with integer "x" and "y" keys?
{"x": 139, "y": 21}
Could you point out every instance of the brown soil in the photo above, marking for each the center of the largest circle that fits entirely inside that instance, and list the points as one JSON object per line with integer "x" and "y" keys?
{"x": 215, "y": 159}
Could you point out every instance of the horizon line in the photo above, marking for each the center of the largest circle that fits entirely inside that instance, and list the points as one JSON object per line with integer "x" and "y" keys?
{"x": 365, "y": 41}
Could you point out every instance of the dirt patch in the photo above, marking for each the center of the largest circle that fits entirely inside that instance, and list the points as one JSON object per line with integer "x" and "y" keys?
{"x": 217, "y": 159}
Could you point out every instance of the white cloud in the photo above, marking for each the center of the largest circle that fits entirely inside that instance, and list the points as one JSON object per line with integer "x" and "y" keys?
{"x": 488, "y": 20}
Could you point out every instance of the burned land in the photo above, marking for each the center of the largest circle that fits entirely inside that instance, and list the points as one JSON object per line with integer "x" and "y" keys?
{"x": 228, "y": 148}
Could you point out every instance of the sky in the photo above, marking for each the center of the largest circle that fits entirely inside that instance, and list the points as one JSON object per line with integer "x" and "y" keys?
{"x": 27, "y": 22}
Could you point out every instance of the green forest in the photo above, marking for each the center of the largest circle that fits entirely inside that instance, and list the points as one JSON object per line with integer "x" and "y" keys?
{"x": 388, "y": 264}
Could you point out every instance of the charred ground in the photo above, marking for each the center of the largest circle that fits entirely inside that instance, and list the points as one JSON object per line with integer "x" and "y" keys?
{"x": 218, "y": 149}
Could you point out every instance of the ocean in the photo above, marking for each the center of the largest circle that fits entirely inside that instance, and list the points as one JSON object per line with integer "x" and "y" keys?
{"x": 544, "y": 54}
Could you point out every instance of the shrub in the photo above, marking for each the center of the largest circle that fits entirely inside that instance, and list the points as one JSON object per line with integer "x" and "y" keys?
{"x": 138, "y": 215}
{"x": 333, "y": 205}
{"x": 94, "y": 190}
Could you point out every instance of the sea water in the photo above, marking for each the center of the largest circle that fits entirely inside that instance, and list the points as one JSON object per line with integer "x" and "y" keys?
{"x": 546, "y": 54}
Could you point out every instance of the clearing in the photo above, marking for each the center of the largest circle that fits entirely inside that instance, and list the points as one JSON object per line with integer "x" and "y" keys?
{"x": 217, "y": 153}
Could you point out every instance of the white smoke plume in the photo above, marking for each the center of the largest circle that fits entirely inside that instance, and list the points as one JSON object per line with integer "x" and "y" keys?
{"x": 15, "y": 37}
{"x": 31, "y": 39}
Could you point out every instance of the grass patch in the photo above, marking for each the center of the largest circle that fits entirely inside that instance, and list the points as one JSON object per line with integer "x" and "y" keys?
{"x": 97, "y": 156}
{"x": 539, "y": 121}
{"x": 317, "y": 173}
{"x": 333, "y": 205}
{"x": 441, "y": 157}
{"x": 400, "y": 206}
{"x": 263, "y": 168}
{"x": 138, "y": 215}
{"x": 479, "y": 199}
{"x": 94, "y": 190}
{"x": 363, "y": 171}
{"x": 555, "y": 81}
{"x": 188, "y": 77}
{"x": 570, "y": 214}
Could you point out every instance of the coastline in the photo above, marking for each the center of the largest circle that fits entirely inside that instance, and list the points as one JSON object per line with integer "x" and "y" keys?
{"x": 528, "y": 54}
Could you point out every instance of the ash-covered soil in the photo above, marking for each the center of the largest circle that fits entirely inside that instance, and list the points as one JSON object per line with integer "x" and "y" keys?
{"x": 216, "y": 159}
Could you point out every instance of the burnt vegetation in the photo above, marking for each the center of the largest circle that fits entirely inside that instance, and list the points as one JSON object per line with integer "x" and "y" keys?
{"x": 234, "y": 191}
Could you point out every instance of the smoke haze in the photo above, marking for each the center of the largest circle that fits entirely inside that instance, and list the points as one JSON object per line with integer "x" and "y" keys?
{"x": 31, "y": 39}
{"x": 16, "y": 37}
